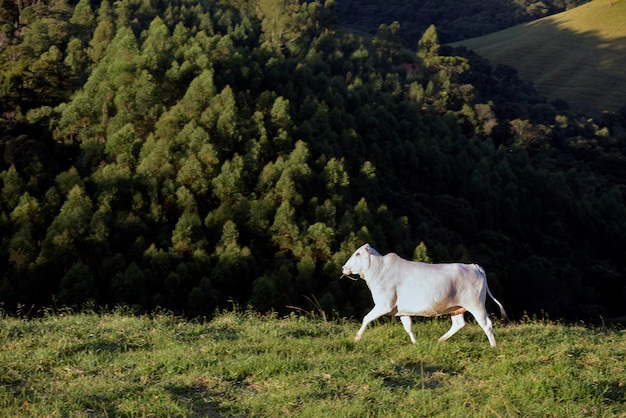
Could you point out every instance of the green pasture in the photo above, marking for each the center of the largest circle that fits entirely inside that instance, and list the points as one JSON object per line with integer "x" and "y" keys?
{"x": 243, "y": 364}
{"x": 578, "y": 56}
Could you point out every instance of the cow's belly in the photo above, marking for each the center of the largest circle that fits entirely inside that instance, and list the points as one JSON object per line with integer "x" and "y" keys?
{"x": 453, "y": 310}
{"x": 417, "y": 313}
{"x": 419, "y": 307}
{"x": 413, "y": 301}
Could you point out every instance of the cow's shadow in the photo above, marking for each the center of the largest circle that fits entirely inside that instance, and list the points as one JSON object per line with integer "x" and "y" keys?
{"x": 415, "y": 374}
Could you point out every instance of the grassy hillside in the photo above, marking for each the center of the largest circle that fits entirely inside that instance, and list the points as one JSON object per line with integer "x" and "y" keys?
{"x": 578, "y": 55}
{"x": 246, "y": 365}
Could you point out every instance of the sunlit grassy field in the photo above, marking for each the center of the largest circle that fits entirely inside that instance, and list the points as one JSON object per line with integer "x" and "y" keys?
{"x": 242, "y": 364}
{"x": 578, "y": 55}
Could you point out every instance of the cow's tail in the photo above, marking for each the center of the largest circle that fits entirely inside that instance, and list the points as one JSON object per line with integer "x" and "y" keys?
{"x": 481, "y": 271}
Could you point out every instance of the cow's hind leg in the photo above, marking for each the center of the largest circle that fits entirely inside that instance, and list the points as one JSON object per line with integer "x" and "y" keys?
{"x": 485, "y": 323}
{"x": 458, "y": 322}
{"x": 408, "y": 326}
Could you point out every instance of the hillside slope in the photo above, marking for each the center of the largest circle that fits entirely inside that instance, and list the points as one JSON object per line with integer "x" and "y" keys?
{"x": 454, "y": 19}
{"x": 578, "y": 55}
{"x": 246, "y": 365}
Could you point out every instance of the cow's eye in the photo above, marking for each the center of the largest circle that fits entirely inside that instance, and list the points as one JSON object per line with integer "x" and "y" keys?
{"x": 357, "y": 254}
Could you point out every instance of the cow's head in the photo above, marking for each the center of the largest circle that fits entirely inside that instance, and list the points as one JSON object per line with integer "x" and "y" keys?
{"x": 360, "y": 261}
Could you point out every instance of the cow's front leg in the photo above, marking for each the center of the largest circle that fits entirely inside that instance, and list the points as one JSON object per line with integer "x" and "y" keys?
{"x": 376, "y": 312}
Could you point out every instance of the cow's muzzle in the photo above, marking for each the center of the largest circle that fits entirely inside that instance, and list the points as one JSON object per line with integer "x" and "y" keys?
{"x": 346, "y": 272}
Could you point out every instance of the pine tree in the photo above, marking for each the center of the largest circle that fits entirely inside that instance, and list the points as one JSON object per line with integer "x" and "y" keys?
{"x": 83, "y": 19}
{"x": 281, "y": 124}
{"x": 78, "y": 286}
{"x": 129, "y": 287}
{"x": 12, "y": 188}
{"x": 119, "y": 146}
{"x": 280, "y": 24}
{"x": 187, "y": 234}
{"x": 155, "y": 160}
{"x": 229, "y": 185}
{"x": 27, "y": 218}
{"x": 156, "y": 48}
{"x": 421, "y": 253}
{"x": 285, "y": 231}
{"x": 103, "y": 34}
{"x": 234, "y": 269}
{"x": 388, "y": 41}
{"x": 62, "y": 245}
{"x": 319, "y": 241}
{"x": 76, "y": 59}
{"x": 192, "y": 175}
{"x": 337, "y": 180}
{"x": 428, "y": 45}
{"x": 196, "y": 99}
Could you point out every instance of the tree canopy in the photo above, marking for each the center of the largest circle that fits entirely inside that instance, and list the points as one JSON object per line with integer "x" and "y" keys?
{"x": 189, "y": 155}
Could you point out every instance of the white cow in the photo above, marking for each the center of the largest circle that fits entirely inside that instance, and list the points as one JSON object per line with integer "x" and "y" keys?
{"x": 408, "y": 288}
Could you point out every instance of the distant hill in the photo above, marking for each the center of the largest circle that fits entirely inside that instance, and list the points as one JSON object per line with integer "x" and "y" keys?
{"x": 454, "y": 19}
{"x": 578, "y": 55}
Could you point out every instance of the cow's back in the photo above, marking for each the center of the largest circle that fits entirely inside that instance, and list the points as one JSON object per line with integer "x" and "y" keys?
{"x": 431, "y": 289}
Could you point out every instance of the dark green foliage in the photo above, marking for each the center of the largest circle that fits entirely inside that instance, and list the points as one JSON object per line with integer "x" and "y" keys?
{"x": 189, "y": 156}
{"x": 455, "y": 19}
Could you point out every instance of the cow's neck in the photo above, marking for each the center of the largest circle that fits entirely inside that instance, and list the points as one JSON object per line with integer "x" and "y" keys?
{"x": 376, "y": 263}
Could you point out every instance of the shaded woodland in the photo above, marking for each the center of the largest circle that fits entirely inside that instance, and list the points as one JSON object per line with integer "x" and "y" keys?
{"x": 455, "y": 20}
{"x": 191, "y": 155}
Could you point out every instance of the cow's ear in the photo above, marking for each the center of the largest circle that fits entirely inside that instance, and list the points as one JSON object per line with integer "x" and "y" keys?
{"x": 368, "y": 250}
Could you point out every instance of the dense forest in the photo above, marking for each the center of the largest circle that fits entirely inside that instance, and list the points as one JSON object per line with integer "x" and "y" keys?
{"x": 455, "y": 20}
{"x": 194, "y": 154}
